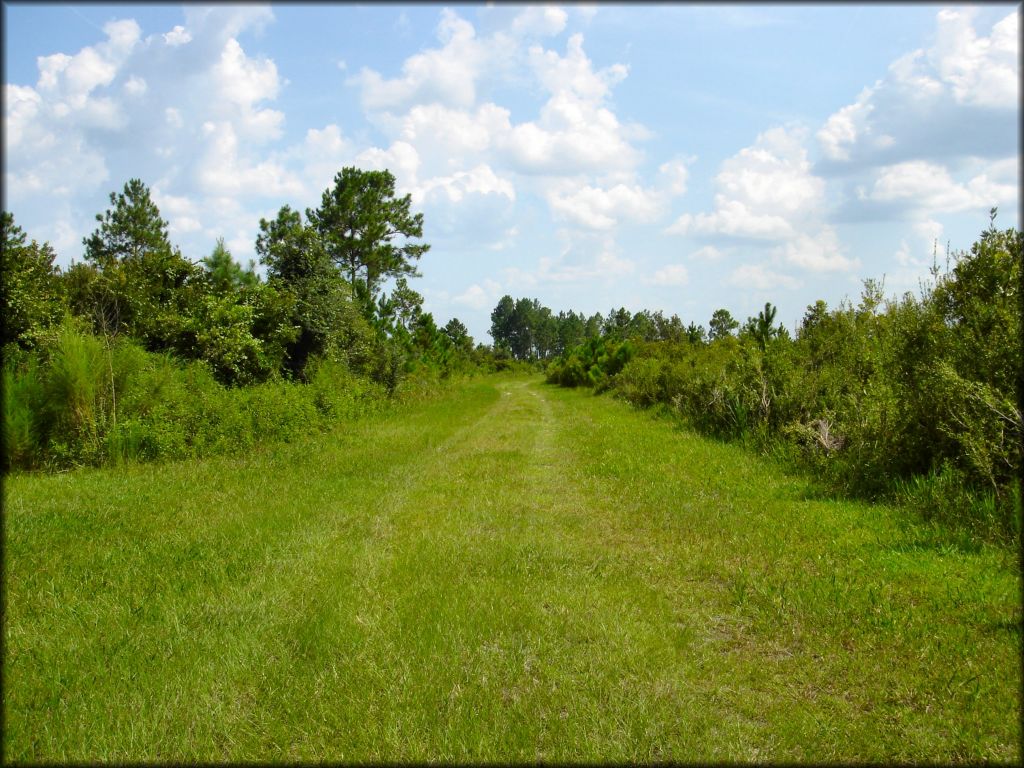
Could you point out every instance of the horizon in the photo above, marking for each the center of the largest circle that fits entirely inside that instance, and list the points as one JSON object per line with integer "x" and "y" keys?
{"x": 674, "y": 158}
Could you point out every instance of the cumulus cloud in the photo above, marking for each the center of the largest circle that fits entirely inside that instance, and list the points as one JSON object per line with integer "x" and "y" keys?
{"x": 707, "y": 253}
{"x": 480, "y": 296}
{"x": 223, "y": 171}
{"x": 447, "y": 75}
{"x": 401, "y": 158}
{"x": 576, "y": 153}
{"x": 453, "y": 137}
{"x": 764, "y": 191}
{"x": 670, "y": 275}
{"x": 540, "y": 20}
{"x": 929, "y": 186}
{"x": 322, "y": 153}
{"x": 767, "y": 192}
{"x": 817, "y": 252}
{"x": 481, "y": 180}
{"x": 959, "y": 96}
{"x": 177, "y": 36}
{"x": 180, "y": 109}
{"x": 596, "y": 208}
{"x": 244, "y": 83}
{"x": 194, "y": 111}
{"x": 576, "y": 132}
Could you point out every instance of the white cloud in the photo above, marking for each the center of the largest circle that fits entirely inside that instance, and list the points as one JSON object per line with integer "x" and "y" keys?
{"x": 574, "y": 73}
{"x": 223, "y": 21}
{"x": 244, "y": 83}
{"x": 322, "y": 154}
{"x": 764, "y": 191}
{"x": 576, "y": 132}
{"x": 576, "y": 138}
{"x": 177, "y": 36}
{"x": 597, "y": 208}
{"x": 584, "y": 257}
{"x": 130, "y": 106}
{"x": 447, "y": 75}
{"x": 540, "y": 20}
{"x": 481, "y": 180}
{"x": 21, "y": 106}
{"x": 820, "y": 252}
{"x": 930, "y": 187}
{"x": 760, "y": 278}
{"x": 671, "y": 275}
{"x": 480, "y": 295}
{"x": 983, "y": 71}
{"x": 451, "y": 138}
{"x": 961, "y": 93}
{"x": 69, "y": 80}
{"x": 842, "y": 128}
{"x": 707, "y": 253}
{"x": 223, "y": 171}
{"x": 674, "y": 175}
{"x": 401, "y": 158}
{"x": 135, "y": 86}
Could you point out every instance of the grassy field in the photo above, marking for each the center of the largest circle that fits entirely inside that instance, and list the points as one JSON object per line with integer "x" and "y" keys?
{"x": 513, "y": 572}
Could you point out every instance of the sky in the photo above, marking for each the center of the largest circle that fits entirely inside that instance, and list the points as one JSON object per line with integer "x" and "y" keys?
{"x": 670, "y": 157}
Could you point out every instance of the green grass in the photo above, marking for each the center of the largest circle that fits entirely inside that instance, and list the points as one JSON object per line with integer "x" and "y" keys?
{"x": 514, "y": 572}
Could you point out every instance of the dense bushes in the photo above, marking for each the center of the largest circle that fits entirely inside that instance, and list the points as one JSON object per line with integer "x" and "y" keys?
{"x": 79, "y": 401}
{"x": 913, "y": 397}
{"x": 142, "y": 353}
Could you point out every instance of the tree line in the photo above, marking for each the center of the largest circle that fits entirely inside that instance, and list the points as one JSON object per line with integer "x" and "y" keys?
{"x": 139, "y": 352}
{"x": 322, "y": 297}
{"x": 524, "y": 329}
{"x": 84, "y": 346}
{"x": 913, "y": 398}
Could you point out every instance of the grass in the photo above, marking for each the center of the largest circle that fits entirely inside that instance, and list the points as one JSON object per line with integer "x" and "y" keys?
{"x": 514, "y": 572}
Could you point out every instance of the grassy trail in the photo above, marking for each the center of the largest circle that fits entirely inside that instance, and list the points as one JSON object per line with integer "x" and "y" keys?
{"x": 512, "y": 573}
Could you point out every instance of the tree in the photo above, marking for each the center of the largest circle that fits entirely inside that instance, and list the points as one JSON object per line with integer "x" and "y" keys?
{"x": 224, "y": 273}
{"x": 695, "y": 333}
{"x": 31, "y": 299}
{"x": 144, "y": 286}
{"x": 128, "y": 230}
{"x": 358, "y": 221}
{"x": 980, "y": 304}
{"x": 571, "y": 331}
{"x": 763, "y": 327}
{"x": 502, "y": 322}
{"x": 320, "y": 300}
{"x": 669, "y": 329}
{"x": 544, "y": 327}
{"x": 521, "y": 341}
{"x": 424, "y": 332}
{"x": 616, "y": 325}
{"x": 721, "y": 325}
{"x": 457, "y": 332}
{"x": 402, "y": 308}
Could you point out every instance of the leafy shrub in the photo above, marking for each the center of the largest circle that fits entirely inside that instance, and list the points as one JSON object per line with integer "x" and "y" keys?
{"x": 81, "y": 400}
{"x": 913, "y": 393}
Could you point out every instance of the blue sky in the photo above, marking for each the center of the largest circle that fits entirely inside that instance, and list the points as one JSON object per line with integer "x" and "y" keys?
{"x": 673, "y": 157}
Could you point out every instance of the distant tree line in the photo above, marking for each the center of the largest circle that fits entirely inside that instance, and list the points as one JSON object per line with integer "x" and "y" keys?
{"x": 524, "y": 329}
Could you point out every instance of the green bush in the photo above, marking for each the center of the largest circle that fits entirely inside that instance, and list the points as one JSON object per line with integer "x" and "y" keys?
{"x": 913, "y": 393}
{"x": 82, "y": 400}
